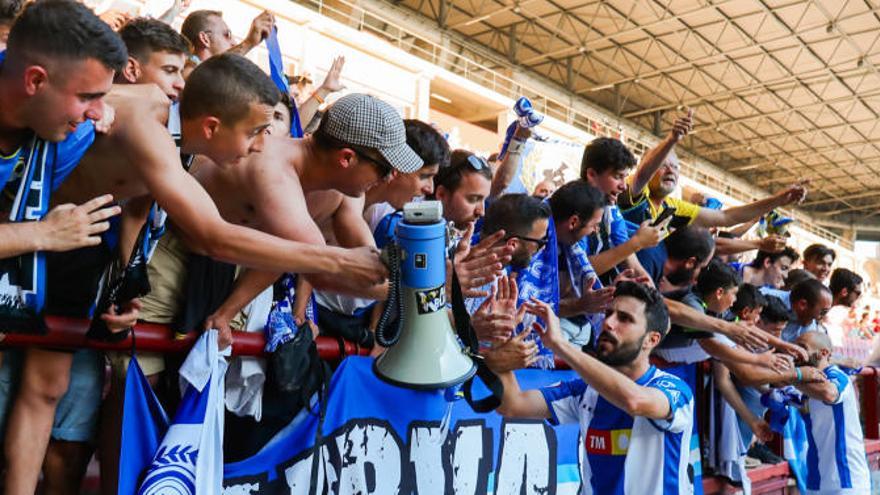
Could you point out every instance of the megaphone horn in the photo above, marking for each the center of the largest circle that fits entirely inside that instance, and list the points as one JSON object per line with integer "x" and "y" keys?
{"x": 427, "y": 354}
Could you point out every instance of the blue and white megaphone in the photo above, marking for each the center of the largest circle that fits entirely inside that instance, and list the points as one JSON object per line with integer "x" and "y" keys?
{"x": 424, "y": 352}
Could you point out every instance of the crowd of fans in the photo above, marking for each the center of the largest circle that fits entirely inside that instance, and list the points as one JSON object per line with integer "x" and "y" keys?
{"x": 629, "y": 285}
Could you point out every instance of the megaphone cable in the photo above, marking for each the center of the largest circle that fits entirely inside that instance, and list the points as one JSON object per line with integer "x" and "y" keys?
{"x": 388, "y": 330}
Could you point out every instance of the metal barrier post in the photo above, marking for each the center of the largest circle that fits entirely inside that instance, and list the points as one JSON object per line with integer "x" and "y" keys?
{"x": 869, "y": 403}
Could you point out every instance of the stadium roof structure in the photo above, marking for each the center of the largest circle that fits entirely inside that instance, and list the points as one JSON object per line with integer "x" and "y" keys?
{"x": 781, "y": 90}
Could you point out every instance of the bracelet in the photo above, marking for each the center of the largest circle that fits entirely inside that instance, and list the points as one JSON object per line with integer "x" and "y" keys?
{"x": 318, "y": 97}
{"x": 800, "y": 376}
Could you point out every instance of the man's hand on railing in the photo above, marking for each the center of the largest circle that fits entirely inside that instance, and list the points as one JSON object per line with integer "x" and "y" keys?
{"x": 120, "y": 318}
{"x": 220, "y": 322}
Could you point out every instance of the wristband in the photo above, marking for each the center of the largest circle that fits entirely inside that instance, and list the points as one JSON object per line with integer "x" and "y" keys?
{"x": 800, "y": 376}
{"x": 318, "y": 97}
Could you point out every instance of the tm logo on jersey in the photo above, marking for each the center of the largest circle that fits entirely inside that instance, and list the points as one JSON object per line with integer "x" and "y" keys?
{"x": 607, "y": 442}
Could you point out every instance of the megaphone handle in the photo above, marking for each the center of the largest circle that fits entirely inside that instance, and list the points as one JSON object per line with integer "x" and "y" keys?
{"x": 468, "y": 337}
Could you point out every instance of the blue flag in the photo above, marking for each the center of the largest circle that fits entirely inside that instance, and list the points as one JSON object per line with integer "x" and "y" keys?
{"x": 144, "y": 423}
{"x": 276, "y": 71}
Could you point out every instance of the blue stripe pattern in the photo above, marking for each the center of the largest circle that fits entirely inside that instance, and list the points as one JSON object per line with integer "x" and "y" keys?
{"x": 840, "y": 447}
{"x": 813, "y": 478}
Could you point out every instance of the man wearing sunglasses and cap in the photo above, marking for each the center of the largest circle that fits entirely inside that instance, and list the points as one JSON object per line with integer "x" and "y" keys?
{"x": 359, "y": 143}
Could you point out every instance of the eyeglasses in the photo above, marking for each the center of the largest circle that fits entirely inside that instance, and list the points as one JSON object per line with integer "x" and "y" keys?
{"x": 542, "y": 242}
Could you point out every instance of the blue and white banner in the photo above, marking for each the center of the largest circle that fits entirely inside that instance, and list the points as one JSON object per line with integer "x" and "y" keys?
{"x": 378, "y": 439}
{"x": 189, "y": 460}
{"x": 381, "y": 439}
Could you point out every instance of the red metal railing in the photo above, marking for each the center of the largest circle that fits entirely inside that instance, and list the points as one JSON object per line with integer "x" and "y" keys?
{"x": 69, "y": 333}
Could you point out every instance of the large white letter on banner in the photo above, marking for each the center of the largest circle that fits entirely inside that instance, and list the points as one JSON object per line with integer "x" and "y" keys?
{"x": 426, "y": 460}
{"x": 370, "y": 460}
{"x": 471, "y": 458}
{"x": 527, "y": 461}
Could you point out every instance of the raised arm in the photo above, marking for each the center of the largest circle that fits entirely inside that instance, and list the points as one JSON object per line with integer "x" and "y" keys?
{"x": 771, "y": 244}
{"x": 647, "y": 236}
{"x": 332, "y": 83}
{"x": 512, "y": 162}
{"x": 682, "y": 314}
{"x": 653, "y": 159}
{"x": 260, "y": 28}
{"x": 612, "y": 385}
{"x": 736, "y": 215}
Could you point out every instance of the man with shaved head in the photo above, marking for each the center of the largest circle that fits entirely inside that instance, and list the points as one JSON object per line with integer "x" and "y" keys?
{"x": 836, "y": 461}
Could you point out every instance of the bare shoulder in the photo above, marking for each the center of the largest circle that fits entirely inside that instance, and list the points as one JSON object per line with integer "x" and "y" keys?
{"x": 323, "y": 204}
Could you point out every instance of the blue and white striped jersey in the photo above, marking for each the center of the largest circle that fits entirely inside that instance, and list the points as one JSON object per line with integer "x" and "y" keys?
{"x": 626, "y": 455}
{"x": 836, "y": 462}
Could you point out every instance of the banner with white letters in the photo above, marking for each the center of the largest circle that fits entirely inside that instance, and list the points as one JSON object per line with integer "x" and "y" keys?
{"x": 381, "y": 439}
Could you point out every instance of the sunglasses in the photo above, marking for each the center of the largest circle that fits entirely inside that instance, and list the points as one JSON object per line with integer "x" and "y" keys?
{"x": 477, "y": 162}
{"x": 542, "y": 242}
{"x": 385, "y": 169}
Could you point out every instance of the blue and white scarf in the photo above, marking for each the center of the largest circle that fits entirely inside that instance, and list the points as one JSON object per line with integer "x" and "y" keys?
{"x": 281, "y": 327}
{"x": 540, "y": 281}
{"x": 23, "y": 278}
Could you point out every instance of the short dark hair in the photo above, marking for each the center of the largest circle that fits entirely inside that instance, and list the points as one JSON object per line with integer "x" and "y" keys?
{"x": 775, "y": 311}
{"x": 690, "y": 242}
{"x": 224, "y": 86}
{"x": 797, "y": 276}
{"x": 605, "y": 153}
{"x": 748, "y": 297}
{"x": 576, "y": 198}
{"x": 814, "y": 251}
{"x": 429, "y": 144}
{"x": 196, "y": 22}
{"x": 809, "y": 290}
{"x": 656, "y": 313}
{"x": 788, "y": 252}
{"x": 450, "y": 177}
{"x": 515, "y": 214}
{"x": 841, "y": 278}
{"x": 143, "y": 36}
{"x": 63, "y": 30}
{"x": 9, "y": 10}
{"x": 716, "y": 275}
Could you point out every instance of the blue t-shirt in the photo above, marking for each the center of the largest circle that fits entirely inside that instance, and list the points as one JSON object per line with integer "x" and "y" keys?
{"x": 626, "y": 454}
{"x": 63, "y": 156}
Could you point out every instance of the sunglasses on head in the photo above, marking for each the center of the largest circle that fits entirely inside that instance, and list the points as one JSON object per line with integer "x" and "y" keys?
{"x": 477, "y": 162}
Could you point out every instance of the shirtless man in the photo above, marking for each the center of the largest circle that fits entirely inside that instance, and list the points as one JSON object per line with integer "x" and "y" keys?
{"x": 224, "y": 113}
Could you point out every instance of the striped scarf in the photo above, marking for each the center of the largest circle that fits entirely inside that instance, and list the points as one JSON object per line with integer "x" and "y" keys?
{"x": 23, "y": 278}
